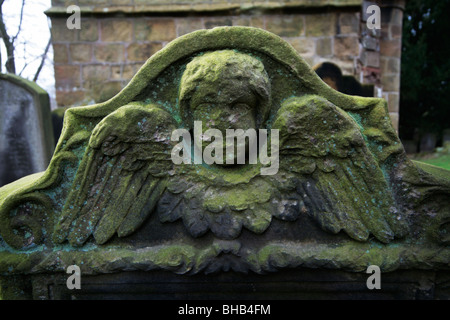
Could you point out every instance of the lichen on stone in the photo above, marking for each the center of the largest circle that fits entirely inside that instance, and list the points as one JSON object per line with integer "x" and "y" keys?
{"x": 345, "y": 195}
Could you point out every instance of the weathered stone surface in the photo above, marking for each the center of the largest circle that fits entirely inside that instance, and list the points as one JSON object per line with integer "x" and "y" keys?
{"x": 188, "y": 25}
{"x": 70, "y": 98}
{"x": 370, "y": 59}
{"x": 217, "y": 22}
{"x": 320, "y": 25}
{"x": 109, "y": 53}
{"x": 349, "y": 23}
{"x": 146, "y": 6}
{"x": 346, "y": 46}
{"x": 285, "y": 26}
{"x": 61, "y": 33}
{"x": 68, "y": 76}
{"x": 154, "y": 30}
{"x": 89, "y": 30}
{"x": 61, "y": 53}
{"x": 248, "y": 21}
{"x": 324, "y": 47}
{"x": 391, "y": 48}
{"x": 80, "y": 52}
{"x": 116, "y": 30}
{"x": 369, "y": 43}
{"x": 97, "y": 74}
{"x": 141, "y": 51}
{"x": 289, "y": 285}
{"x": 391, "y": 82}
{"x": 393, "y": 102}
{"x": 345, "y": 196}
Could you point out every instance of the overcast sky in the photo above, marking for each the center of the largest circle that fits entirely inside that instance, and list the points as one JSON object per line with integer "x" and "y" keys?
{"x": 33, "y": 38}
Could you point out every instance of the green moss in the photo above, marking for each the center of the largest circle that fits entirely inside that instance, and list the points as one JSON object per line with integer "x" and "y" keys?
{"x": 59, "y": 112}
{"x": 238, "y": 198}
{"x": 184, "y": 258}
{"x": 431, "y": 168}
{"x": 340, "y": 125}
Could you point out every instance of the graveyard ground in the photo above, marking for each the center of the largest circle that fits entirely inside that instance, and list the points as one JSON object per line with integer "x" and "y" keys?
{"x": 440, "y": 157}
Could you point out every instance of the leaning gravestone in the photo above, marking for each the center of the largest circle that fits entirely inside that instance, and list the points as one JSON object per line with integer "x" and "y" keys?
{"x": 139, "y": 197}
{"x": 26, "y": 144}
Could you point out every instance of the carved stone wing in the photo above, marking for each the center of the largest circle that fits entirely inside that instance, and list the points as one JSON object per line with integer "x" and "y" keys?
{"x": 337, "y": 177}
{"x": 120, "y": 177}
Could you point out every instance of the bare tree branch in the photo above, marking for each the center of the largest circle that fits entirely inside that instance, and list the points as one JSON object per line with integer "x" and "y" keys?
{"x": 27, "y": 63}
{"x": 12, "y": 43}
{"x": 1, "y": 64}
{"x": 9, "y": 44}
{"x": 44, "y": 55}
{"x": 1, "y": 36}
{"x": 20, "y": 22}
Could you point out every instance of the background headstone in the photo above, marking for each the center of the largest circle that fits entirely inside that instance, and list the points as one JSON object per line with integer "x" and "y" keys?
{"x": 428, "y": 142}
{"x": 446, "y": 136}
{"x": 26, "y": 134}
{"x": 57, "y": 122}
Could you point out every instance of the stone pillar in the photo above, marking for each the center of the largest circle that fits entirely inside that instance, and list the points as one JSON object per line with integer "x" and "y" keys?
{"x": 380, "y": 57}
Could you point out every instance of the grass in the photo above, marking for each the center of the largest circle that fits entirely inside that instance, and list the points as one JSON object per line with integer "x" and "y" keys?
{"x": 442, "y": 161}
{"x": 439, "y": 158}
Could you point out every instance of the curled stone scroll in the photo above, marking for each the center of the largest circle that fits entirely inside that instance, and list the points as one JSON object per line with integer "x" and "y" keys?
{"x": 343, "y": 196}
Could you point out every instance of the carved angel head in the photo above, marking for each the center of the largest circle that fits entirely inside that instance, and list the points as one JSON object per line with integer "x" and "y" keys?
{"x": 225, "y": 90}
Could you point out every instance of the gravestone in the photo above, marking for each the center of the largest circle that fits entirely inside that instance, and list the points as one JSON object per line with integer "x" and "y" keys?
{"x": 26, "y": 144}
{"x": 132, "y": 197}
{"x": 428, "y": 142}
{"x": 446, "y": 136}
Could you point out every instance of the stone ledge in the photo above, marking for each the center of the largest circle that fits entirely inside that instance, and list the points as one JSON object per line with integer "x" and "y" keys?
{"x": 292, "y": 284}
{"x": 181, "y": 258}
{"x": 211, "y": 6}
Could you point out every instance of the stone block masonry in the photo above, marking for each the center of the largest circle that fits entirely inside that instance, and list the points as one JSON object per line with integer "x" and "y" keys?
{"x": 110, "y": 50}
{"x": 380, "y": 54}
{"x": 116, "y": 37}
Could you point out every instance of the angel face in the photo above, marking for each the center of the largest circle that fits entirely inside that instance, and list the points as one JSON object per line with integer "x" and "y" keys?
{"x": 225, "y": 105}
{"x": 225, "y": 90}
